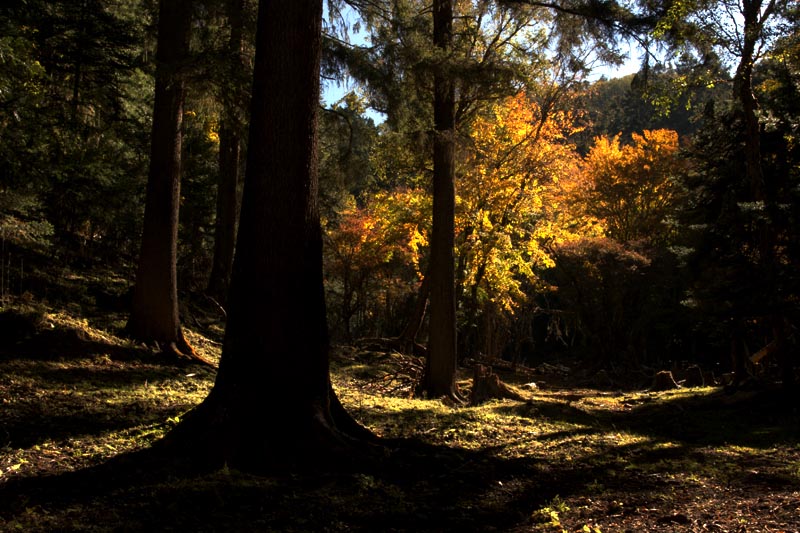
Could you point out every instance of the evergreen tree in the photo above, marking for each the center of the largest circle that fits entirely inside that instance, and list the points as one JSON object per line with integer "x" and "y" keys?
{"x": 74, "y": 83}
{"x": 230, "y": 152}
{"x": 154, "y": 313}
{"x": 272, "y": 405}
{"x": 440, "y": 367}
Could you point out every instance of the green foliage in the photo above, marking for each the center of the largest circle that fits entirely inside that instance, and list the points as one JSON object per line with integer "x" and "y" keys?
{"x": 638, "y": 102}
{"x": 549, "y": 515}
{"x": 22, "y": 222}
{"x": 198, "y": 181}
{"x": 739, "y": 278}
{"x": 348, "y": 142}
{"x": 74, "y": 93}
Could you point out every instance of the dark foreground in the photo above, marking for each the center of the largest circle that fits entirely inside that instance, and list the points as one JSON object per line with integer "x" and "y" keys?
{"x": 80, "y": 408}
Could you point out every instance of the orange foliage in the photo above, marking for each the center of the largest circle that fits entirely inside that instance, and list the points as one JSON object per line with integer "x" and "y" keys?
{"x": 632, "y": 188}
{"x": 507, "y": 212}
{"x": 373, "y": 251}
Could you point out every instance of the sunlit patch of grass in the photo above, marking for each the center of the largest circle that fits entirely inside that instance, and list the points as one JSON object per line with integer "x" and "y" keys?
{"x": 792, "y": 470}
{"x": 101, "y": 398}
{"x": 548, "y": 518}
{"x": 602, "y": 451}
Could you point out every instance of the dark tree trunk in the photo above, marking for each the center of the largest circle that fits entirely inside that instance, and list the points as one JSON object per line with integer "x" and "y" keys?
{"x": 755, "y": 15}
{"x": 440, "y": 369}
{"x": 272, "y": 405}
{"x": 743, "y": 92}
{"x": 154, "y": 315}
{"x": 229, "y": 158}
{"x": 407, "y": 340}
{"x": 227, "y": 212}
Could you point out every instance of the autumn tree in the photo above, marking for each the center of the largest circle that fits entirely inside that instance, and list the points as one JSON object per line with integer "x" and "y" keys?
{"x": 509, "y": 213}
{"x": 634, "y": 188}
{"x": 372, "y": 260}
{"x": 482, "y": 52}
{"x": 272, "y": 405}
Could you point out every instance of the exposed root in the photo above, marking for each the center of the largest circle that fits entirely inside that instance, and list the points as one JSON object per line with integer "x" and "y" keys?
{"x": 217, "y": 435}
{"x": 181, "y": 349}
{"x": 664, "y": 380}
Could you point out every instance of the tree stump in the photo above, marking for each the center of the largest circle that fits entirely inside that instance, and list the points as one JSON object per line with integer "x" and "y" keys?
{"x": 695, "y": 377}
{"x": 487, "y": 385}
{"x": 664, "y": 381}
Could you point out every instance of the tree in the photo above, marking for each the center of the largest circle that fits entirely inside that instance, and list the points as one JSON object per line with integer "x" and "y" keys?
{"x": 440, "y": 366}
{"x": 230, "y": 148}
{"x": 154, "y": 313}
{"x": 509, "y": 213}
{"x": 742, "y": 31}
{"x": 488, "y": 51}
{"x": 272, "y": 404}
{"x": 778, "y": 88}
{"x": 372, "y": 258}
{"x": 73, "y": 80}
{"x": 633, "y": 188}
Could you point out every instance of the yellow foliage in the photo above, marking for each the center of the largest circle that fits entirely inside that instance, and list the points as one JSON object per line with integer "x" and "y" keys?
{"x": 632, "y": 188}
{"x": 510, "y": 182}
{"x": 385, "y": 229}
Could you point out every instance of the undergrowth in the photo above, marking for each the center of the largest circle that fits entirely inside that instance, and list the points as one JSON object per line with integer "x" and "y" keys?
{"x": 75, "y": 397}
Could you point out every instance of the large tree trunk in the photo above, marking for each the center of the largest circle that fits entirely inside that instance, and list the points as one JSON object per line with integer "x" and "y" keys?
{"x": 440, "y": 369}
{"x": 272, "y": 405}
{"x": 154, "y": 315}
{"x": 229, "y": 159}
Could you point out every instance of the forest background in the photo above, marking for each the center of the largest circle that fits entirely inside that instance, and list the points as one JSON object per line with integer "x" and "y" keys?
{"x": 609, "y": 220}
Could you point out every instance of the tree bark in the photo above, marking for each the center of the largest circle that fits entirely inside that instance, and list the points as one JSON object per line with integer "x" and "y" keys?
{"x": 272, "y": 405}
{"x": 154, "y": 314}
{"x": 755, "y": 15}
{"x": 743, "y": 93}
{"x": 229, "y": 158}
{"x": 440, "y": 368}
{"x": 407, "y": 340}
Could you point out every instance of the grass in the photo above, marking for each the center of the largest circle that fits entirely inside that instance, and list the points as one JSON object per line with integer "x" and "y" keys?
{"x": 80, "y": 408}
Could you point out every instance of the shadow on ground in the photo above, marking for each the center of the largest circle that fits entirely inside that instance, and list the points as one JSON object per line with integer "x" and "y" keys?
{"x": 419, "y": 487}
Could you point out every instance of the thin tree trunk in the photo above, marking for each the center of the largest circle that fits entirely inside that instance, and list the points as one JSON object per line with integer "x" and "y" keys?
{"x": 154, "y": 314}
{"x": 753, "y": 27}
{"x": 743, "y": 92}
{"x": 272, "y": 405}
{"x": 227, "y": 212}
{"x": 229, "y": 163}
{"x": 440, "y": 369}
{"x": 407, "y": 340}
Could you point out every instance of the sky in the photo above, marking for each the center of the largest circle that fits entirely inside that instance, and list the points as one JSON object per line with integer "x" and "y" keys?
{"x": 333, "y": 91}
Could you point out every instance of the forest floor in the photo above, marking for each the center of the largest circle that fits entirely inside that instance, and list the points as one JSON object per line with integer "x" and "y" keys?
{"x": 81, "y": 406}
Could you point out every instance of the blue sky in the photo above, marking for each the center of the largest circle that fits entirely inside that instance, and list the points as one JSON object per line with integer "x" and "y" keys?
{"x": 333, "y": 91}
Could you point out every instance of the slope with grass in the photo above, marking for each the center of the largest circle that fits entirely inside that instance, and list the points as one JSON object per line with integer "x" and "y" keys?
{"x": 81, "y": 407}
